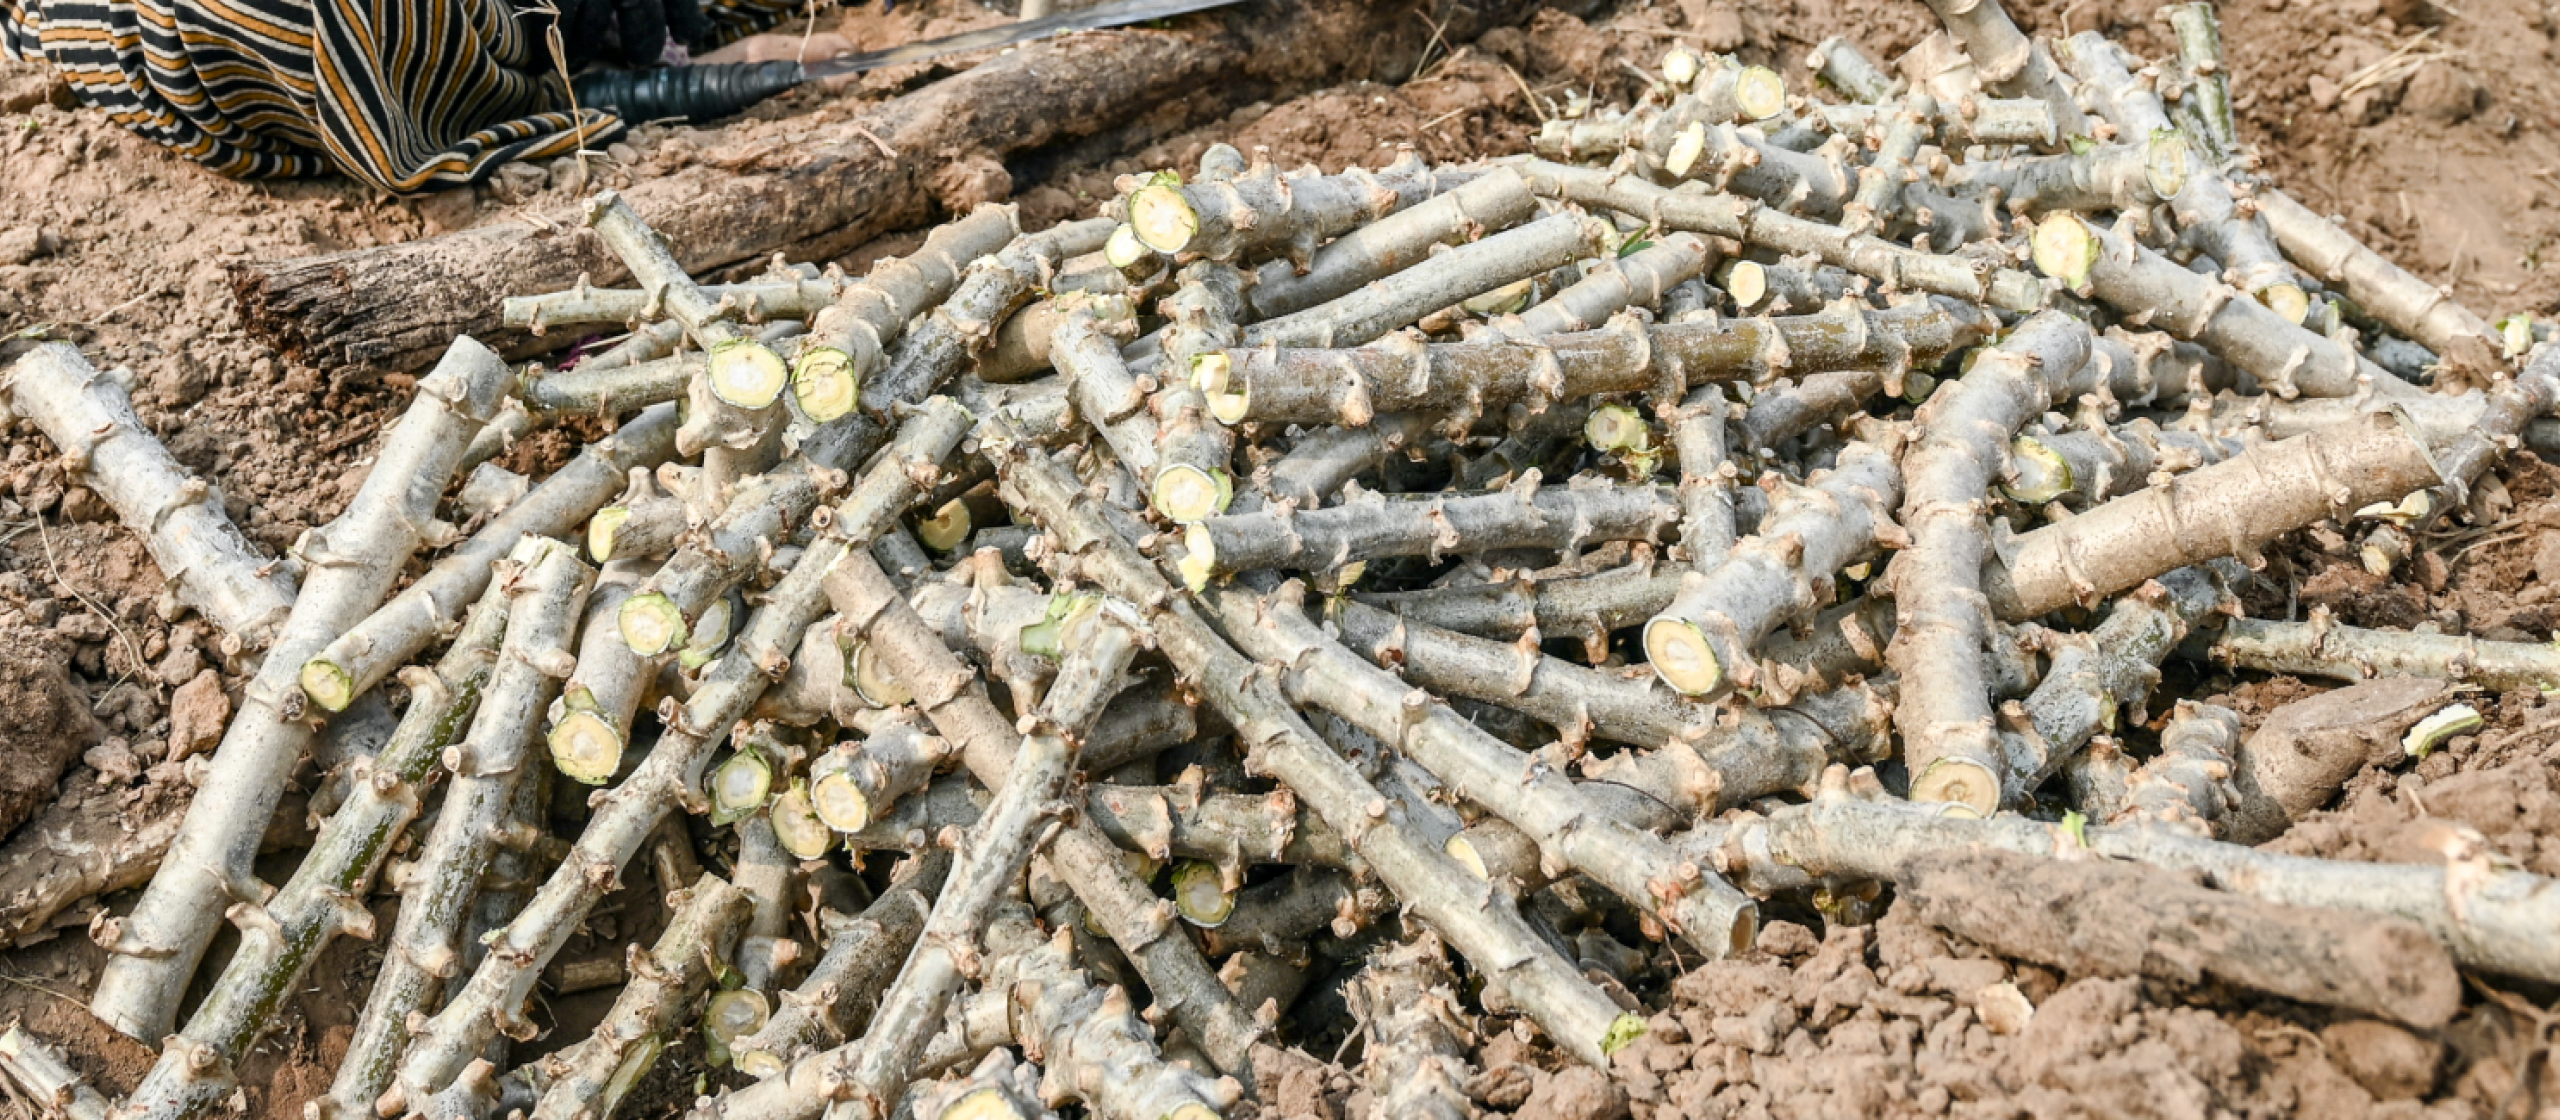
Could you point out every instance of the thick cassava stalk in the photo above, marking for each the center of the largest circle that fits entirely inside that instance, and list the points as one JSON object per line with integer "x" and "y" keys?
{"x": 1099, "y": 638}
{"x": 1097, "y": 1048}
{"x": 846, "y": 341}
{"x": 2007, "y": 61}
{"x": 1941, "y": 627}
{"x": 2491, "y": 919}
{"x": 765, "y": 872}
{"x": 1881, "y": 182}
{"x": 1325, "y": 459}
{"x": 2323, "y": 648}
{"x": 2228, "y": 509}
{"x": 592, "y": 725}
{"x": 625, "y": 817}
{"x": 1191, "y": 479}
{"x": 1263, "y": 210}
{"x": 1587, "y": 607}
{"x": 1403, "y": 298}
{"x": 660, "y": 616}
{"x": 1578, "y": 702}
{"x": 1637, "y": 279}
{"x": 387, "y": 793}
{"x": 836, "y": 998}
{"x": 179, "y": 517}
{"x": 1753, "y": 223}
{"x": 1495, "y": 201}
{"x": 1748, "y": 753}
{"x": 590, "y": 1079}
{"x": 358, "y": 657}
{"x": 348, "y": 566}
{"x": 2188, "y": 784}
{"x": 1106, "y": 395}
{"x": 857, "y": 784}
{"x": 1480, "y": 923}
{"x": 1373, "y": 526}
{"x": 1956, "y": 124}
{"x": 2133, "y": 177}
{"x": 1701, "y": 644}
{"x": 2510, "y": 406}
{"x": 39, "y": 1070}
{"x": 1840, "y": 64}
{"x": 1707, "y": 472}
{"x": 546, "y": 585}
{"x": 1818, "y": 185}
{"x": 1464, "y": 380}
{"x": 1021, "y": 348}
{"x": 754, "y": 301}
{"x": 2108, "y": 264}
{"x": 2109, "y": 670}
{"x": 644, "y": 522}
{"x": 2095, "y": 464}
{"x": 743, "y": 377}
{"x": 1275, "y": 915}
{"x": 1416, "y": 1061}
{"x": 1565, "y": 820}
{"x": 2386, "y": 291}
{"x": 1091, "y": 866}
{"x": 2211, "y": 218}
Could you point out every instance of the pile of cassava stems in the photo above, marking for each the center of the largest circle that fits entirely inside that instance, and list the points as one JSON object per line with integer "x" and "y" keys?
{"x": 1414, "y": 595}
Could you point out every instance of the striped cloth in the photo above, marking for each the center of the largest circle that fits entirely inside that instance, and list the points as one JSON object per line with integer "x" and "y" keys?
{"x": 407, "y": 95}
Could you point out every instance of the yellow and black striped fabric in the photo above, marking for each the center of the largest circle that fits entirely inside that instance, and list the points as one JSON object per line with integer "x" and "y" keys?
{"x": 407, "y": 95}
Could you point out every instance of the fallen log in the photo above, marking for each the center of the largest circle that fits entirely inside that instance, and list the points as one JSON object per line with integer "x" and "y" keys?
{"x": 395, "y": 307}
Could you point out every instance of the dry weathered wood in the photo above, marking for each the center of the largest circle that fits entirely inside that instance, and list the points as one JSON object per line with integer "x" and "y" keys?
{"x": 394, "y": 307}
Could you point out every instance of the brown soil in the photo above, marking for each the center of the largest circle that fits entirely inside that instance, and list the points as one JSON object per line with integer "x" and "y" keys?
{"x": 2449, "y": 166}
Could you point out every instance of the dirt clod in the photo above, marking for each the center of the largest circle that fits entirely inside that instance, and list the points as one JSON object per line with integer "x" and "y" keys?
{"x": 43, "y": 724}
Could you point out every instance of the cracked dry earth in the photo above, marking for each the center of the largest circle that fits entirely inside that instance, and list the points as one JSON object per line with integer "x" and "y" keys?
{"x": 2433, "y": 128}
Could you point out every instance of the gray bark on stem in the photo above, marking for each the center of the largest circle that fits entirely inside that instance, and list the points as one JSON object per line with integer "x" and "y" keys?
{"x": 349, "y": 565}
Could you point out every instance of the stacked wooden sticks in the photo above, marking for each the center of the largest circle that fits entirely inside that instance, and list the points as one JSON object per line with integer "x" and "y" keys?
{"x": 1190, "y": 595}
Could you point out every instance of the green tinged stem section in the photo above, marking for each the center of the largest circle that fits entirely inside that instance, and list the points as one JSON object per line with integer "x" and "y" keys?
{"x": 846, "y": 341}
{"x": 349, "y": 565}
{"x": 546, "y": 586}
{"x": 1262, "y": 211}
{"x": 1192, "y": 478}
{"x": 1479, "y": 922}
{"x": 320, "y": 902}
{"x": 733, "y": 400}
{"x": 1941, "y": 627}
{"x": 591, "y": 1079}
{"x": 591, "y": 723}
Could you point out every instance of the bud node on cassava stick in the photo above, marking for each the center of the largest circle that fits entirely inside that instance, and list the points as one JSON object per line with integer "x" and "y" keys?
{"x": 846, "y": 341}
{"x": 181, "y": 520}
{"x": 591, "y": 1078}
{"x": 1484, "y": 927}
{"x": 1964, "y": 431}
{"x": 547, "y": 589}
{"x": 1701, "y": 644}
{"x": 350, "y": 564}
{"x": 1262, "y": 210}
